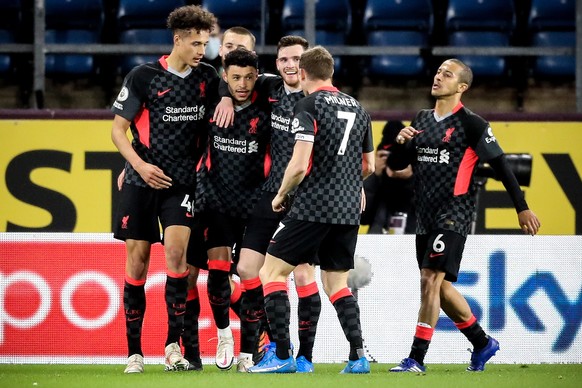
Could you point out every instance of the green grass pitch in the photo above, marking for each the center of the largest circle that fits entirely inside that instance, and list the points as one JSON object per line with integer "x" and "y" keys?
{"x": 326, "y": 375}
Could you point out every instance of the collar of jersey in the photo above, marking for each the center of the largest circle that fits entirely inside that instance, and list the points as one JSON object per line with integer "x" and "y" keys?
{"x": 327, "y": 89}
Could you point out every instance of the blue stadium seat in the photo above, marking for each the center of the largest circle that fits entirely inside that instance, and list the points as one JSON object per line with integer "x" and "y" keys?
{"x": 142, "y": 36}
{"x": 392, "y": 65}
{"x": 326, "y": 38}
{"x": 480, "y": 15}
{"x": 72, "y": 22}
{"x": 231, "y": 13}
{"x": 482, "y": 65}
{"x": 135, "y": 14}
{"x": 398, "y": 15}
{"x": 73, "y": 64}
{"x": 481, "y": 23}
{"x": 552, "y": 23}
{"x": 554, "y": 65}
{"x": 331, "y": 15}
{"x": 552, "y": 15}
{"x": 143, "y": 22}
{"x": 333, "y": 22}
{"x": 10, "y": 16}
{"x": 397, "y": 23}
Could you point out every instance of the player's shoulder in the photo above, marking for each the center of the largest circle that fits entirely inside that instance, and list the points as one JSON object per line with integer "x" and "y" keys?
{"x": 207, "y": 70}
{"x": 471, "y": 118}
{"x": 145, "y": 70}
{"x": 308, "y": 100}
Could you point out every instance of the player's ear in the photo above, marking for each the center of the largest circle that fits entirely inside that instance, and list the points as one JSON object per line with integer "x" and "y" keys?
{"x": 224, "y": 76}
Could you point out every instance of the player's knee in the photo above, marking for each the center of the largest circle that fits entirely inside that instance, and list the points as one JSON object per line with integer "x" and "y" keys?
{"x": 303, "y": 275}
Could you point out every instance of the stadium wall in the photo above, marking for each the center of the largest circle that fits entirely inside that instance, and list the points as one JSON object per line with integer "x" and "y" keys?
{"x": 60, "y": 174}
{"x": 61, "y": 301}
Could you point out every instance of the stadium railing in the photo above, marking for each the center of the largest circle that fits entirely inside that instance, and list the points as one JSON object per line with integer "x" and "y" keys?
{"x": 40, "y": 49}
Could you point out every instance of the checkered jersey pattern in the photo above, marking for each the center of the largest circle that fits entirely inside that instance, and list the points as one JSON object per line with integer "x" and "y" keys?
{"x": 342, "y": 132}
{"x": 236, "y": 161}
{"x": 282, "y": 139}
{"x": 166, "y": 113}
{"x": 447, "y": 153}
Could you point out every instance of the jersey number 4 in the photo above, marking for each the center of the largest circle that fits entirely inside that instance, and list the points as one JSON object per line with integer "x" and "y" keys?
{"x": 351, "y": 118}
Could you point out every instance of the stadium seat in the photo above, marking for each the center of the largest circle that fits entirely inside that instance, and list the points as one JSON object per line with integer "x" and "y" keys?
{"x": 142, "y": 36}
{"x": 143, "y": 22}
{"x": 482, "y": 15}
{"x": 72, "y": 22}
{"x": 326, "y": 38}
{"x": 230, "y": 13}
{"x": 397, "y": 23}
{"x": 10, "y": 16}
{"x": 333, "y": 22}
{"x": 482, "y": 65}
{"x": 391, "y": 65}
{"x": 552, "y": 15}
{"x": 552, "y": 23}
{"x": 398, "y": 15}
{"x": 331, "y": 15}
{"x": 486, "y": 23}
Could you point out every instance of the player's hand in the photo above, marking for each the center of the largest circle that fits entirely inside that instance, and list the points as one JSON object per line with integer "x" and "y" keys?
{"x": 279, "y": 203}
{"x": 363, "y": 201}
{"x": 529, "y": 222}
{"x": 153, "y": 176}
{"x": 224, "y": 113}
{"x": 120, "y": 179}
{"x": 381, "y": 156}
{"x": 406, "y": 134}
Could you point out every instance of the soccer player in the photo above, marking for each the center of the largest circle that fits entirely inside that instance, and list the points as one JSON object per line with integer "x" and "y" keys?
{"x": 234, "y": 173}
{"x": 163, "y": 104}
{"x": 444, "y": 145}
{"x": 233, "y": 38}
{"x": 283, "y": 93}
{"x": 332, "y": 155}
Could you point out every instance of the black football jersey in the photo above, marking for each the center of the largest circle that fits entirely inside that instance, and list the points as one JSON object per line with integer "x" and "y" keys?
{"x": 282, "y": 139}
{"x": 447, "y": 151}
{"x": 341, "y": 132}
{"x": 237, "y": 161}
{"x": 166, "y": 111}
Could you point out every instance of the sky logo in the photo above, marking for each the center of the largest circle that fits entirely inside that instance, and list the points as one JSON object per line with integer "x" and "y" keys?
{"x": 520, "y": 301}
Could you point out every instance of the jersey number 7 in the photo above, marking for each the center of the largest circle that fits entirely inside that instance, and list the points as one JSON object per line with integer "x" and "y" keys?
{"x": 351, "y": 118}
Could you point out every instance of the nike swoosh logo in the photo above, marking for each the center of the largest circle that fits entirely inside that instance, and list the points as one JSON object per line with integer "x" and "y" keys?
{"x": 433, "y": 255}
{"x": 188, "y": 215}
{"x": 274, "y": 368}
{"x": 211, "y": 121}
{"x": 133, "y": 319}
{"x": 160, "y": 94}
{"x": 272, "y": 99}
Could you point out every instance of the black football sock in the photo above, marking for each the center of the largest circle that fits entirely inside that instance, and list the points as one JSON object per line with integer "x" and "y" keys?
{"x": 176, "y": 291}
{"x": 190, "y": 335}
{"x": 308, "y": 312}
{"x": 219, "y": 296}
{"x": 348, "y": 313}
{"x": 474, "y": 333}
{"x": 278, "y": 311}
{"x": 134, "y": 304}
